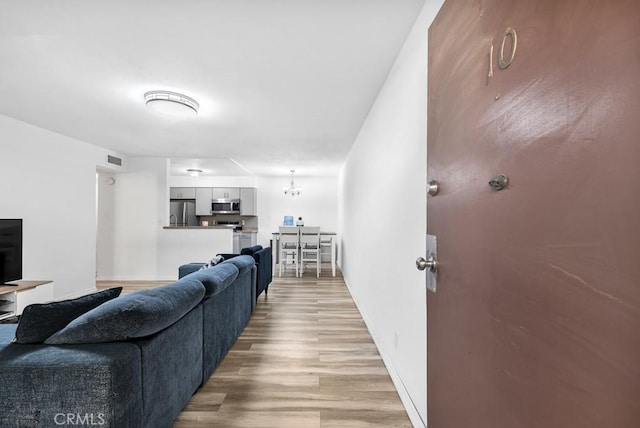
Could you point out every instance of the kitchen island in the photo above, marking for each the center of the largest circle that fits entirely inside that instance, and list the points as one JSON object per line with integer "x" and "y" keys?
{"x": 185, "y": 244}
{"x": 246, "y": 237}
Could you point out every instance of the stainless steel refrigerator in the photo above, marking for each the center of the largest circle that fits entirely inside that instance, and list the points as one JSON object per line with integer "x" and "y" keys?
{"x": 183, "y": 213}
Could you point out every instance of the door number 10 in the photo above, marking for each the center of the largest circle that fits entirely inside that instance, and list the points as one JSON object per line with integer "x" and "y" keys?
{"x": 502, "y": 62}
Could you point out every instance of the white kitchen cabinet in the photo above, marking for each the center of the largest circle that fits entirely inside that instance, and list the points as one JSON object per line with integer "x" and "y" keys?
{"x": 236, "y": 243}
{"x": 243, "y": 240}
{"x": 247, "y": 239}
{"x": 203, "y": 200}
{"x": 182, "y": 193}
{"x": 226, "y": 193}
{"x": 248, "y": 201}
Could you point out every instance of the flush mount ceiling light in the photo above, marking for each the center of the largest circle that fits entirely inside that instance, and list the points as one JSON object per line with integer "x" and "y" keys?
{"x": 292, "y": 189}
{"x": 171, "y": 103}
{"x": 194, "y": 172}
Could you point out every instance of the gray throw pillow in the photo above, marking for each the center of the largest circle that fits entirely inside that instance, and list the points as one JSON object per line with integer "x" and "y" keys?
{"x": 211, "y": 263}
{"x": 133, "y": 315}
{"x": 39, "y": 321}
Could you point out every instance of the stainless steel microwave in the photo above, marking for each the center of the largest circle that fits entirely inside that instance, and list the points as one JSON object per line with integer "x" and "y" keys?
{"x": 225, "y": 206}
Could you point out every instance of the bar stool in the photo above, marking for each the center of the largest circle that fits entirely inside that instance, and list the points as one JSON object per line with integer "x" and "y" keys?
{"x": 289, "y": 247}
{"x": 310, "y": 247}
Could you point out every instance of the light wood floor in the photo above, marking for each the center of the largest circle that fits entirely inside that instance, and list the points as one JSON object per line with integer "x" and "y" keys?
{"x": 305, "y": 360}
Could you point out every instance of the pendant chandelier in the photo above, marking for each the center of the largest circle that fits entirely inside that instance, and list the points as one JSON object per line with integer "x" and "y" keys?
{"x": 292, "y": 189}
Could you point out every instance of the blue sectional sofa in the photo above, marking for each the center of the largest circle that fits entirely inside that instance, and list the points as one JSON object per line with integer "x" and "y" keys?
{"x": 264, "y": 262}
{"x": 262, "y": 257}
{"x": 132, "y": 361}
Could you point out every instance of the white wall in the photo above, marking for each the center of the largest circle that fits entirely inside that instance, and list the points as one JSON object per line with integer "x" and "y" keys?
{"x": 383, "y": 218}
{"x": 317, "y": 205}
{"x": 137, "y": 214}
{"x": 132, "y": 243}
{"x": 107, "y": 183}
{"x": 212, "y": 181}
{"x": 49, "y": 181}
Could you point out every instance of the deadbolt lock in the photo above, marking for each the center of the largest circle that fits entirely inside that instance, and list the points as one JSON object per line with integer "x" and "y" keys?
{"x": 499, "y": 182}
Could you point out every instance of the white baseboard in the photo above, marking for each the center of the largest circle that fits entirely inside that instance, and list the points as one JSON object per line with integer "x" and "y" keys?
{"x": 405, "y": 398}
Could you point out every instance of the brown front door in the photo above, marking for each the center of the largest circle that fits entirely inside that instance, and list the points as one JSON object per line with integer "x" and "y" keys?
{"x": 536, "y": 318}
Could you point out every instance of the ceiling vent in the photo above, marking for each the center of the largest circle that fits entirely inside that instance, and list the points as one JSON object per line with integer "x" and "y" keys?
{"x": 112, "y": 160}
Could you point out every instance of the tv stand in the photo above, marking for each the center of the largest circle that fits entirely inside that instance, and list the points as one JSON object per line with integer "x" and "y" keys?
{"x": 15, "y": 296}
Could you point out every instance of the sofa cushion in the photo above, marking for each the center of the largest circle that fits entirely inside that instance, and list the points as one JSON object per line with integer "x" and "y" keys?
{"x": 243, "y": 263}
{"x": 103, "y": 379}
{"x": 216, "y": 278}
{"x": 133, "y": 315}
{"x": 250, "y": 251}
{"x": 41, "y": 320}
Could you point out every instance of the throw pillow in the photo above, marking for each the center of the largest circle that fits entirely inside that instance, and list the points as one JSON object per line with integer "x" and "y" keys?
{"x": 211, "y": 263}
{"x": 134, "y": 315}
{"x": 39, "y": 321}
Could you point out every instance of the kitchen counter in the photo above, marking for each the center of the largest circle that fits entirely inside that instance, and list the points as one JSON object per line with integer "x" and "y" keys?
{"x": 196, "y": 227}
{"x": 185, "y": 244}
{"x": 247, "y": 230}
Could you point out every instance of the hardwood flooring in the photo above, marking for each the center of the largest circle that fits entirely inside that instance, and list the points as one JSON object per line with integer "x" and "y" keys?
{"x": 130, "y": 286}
{"x": 305, "y": 360}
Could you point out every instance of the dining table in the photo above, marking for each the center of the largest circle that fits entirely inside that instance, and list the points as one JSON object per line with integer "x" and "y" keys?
{"x": 325, "y": 238}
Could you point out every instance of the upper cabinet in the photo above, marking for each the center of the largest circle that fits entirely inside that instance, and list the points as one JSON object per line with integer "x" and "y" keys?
{"x": 248, "y": 201}
{"x": 225, "y": 193}
{"x": 203, "y": 200}
{"x": 182, "y": 193}
{"x": 248, "y": 197}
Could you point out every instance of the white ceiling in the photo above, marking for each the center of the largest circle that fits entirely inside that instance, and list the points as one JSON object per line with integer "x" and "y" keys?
{"x": 282, "y": 84}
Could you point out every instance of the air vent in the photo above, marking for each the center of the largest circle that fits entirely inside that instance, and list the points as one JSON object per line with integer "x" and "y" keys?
{"x": 114, "y": 160}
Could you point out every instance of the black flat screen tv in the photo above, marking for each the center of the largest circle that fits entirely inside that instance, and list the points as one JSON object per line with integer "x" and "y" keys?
{"x": 10, "y": 250}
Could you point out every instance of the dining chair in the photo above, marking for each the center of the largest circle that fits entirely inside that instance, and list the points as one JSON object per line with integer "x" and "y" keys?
{"x": 289, "y": 247}
{"x": 326, "y": 243}
{"x": 310, "y": 247}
